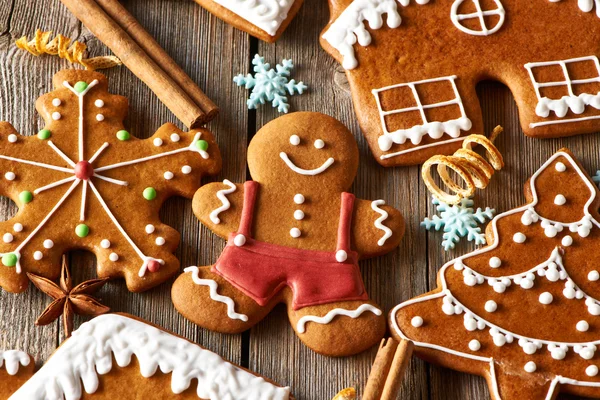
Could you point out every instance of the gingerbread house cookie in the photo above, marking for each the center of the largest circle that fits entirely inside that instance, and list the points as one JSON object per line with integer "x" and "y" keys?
{"x": 263, "y": 19}
{"x": 150, "y": 363}
{"x": 15, "y": 368}
{"x": 413, "y": 67}
{"x": 84, "y": 182}
{"x": 295, "y": 236}
{"x": 525, "y": 311}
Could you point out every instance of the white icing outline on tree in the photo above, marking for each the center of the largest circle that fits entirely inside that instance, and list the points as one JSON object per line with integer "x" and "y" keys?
{"x": 435, "y": 129}
{"x": 480, "y": 15}
{"x": 553, "y": 347}
{"x": 76, "y": 365}
{"x": 76, "y": 181}
{"x": 576, "y": 103}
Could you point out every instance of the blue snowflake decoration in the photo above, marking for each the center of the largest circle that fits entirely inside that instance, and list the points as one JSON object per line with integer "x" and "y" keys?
{"x": 269, "y": 84}
{"x": 458, "y": 221}
{"x": 596, "y": 177}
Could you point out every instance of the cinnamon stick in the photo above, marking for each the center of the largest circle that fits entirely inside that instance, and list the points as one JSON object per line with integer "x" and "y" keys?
{"x": 110, "y": 32}
{"x": 388, "y": 368}
{"x": 394, "y": 379}
{"x": 127, "y": 21}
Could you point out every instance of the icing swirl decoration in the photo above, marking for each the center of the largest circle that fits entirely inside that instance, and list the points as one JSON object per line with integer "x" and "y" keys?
{"x": 222, "y": 195}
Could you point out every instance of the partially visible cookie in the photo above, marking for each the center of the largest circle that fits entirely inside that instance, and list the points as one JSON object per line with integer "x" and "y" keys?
{"x": 263, "y": 19}
{"x": 15, "y": 368}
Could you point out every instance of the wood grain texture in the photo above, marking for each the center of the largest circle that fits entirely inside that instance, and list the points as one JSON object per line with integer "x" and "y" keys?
{"x": 212, "y": 52}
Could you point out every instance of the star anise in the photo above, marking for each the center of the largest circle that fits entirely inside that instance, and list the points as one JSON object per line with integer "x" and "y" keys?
{"x": 68, "y": 300}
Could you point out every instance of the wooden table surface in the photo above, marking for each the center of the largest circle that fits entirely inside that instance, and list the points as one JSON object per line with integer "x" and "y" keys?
{"x": 212, "y": 52}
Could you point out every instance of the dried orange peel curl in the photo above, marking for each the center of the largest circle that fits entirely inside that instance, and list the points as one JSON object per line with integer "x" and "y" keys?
{"x": 474, "y": 170}
{"x": 346, "y": 394}
{"x": 61, "y": 46}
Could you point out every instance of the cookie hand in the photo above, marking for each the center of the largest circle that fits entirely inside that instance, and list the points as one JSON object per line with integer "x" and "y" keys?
{"x": 377, "y": 229}
{"x": 219, "y": 206}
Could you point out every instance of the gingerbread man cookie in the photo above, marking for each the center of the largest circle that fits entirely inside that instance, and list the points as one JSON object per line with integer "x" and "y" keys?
{"x": 150, "y": 363}
{"x": 84, "y": 182}
{"x": 294, "y": 236}
{"x": 413, "y": 67}
{"x": 524, "y": 311}
{"x": 15, "y": 368}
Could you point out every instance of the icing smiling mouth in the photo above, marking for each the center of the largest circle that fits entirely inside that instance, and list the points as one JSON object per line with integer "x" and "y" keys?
{"x": 303, "y": 171}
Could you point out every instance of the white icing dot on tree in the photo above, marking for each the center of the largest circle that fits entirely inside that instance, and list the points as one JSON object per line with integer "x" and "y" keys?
{"x": 157, "y": 142}
{"x": 295, "y": 232}
{"x": 149, "y": 229}
{"x": 592, "y": 370}
{"x": 7, "y": 237}
{"x": 12, "y": 138}
{"x": 560, "y": 167}
{"x": 99, "y": 103}
{"x": 113, "y": 257}
{"x": 530, "y": 367}
{"x": 38, "y": 255}
{"x": 168, "y": 175}
{"x": 417, "y": 322}
{"x": 474, "y": 345}
{"x": 299, "y": 215}
{"x": 593, "y": 276}
{"x": 295, "y": 140}
{"x": 160, "y": 241}
{"x": 56, "y": 102}
{"x": 10, "y": 176}
{"x": 99, "y": 117}
{"x": 495, "y": 262}
{"x": 491, "y": 306}
{"x": 175, "y": 137}
{"x": 519, "y": 237}
{"x": 186, "y": 169}
{"x": 567, "y": 241}
{"x": 298, "y": 199}
{"x": 17, "y": 227}
{"x": 546, "y": 298}
{"x": 560, "y": 200}
{"x": 56, "y": 116}
{"x": 105, "y": 243}
{"x": 48, "y": 244}
{"x": 582, "y": 326}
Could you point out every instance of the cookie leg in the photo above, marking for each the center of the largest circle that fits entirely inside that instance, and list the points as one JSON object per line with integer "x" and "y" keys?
{"x": 211, "y": 302}
{"x": 339, "y": 329}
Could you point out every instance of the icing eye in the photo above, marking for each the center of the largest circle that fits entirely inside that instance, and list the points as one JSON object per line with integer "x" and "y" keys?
{"x": 295, "y": 140}
{"x": 319, "y": 144}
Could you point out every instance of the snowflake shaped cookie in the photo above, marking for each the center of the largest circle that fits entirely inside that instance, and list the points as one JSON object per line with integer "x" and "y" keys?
{"x": 84, "y": 182}
{"x": 459, "y": 221}
{"x": 269, "y": 84}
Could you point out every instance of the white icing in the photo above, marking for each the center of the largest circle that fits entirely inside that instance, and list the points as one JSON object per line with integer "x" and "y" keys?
{"x": 319, "y": 144}
{"x": 417, "y": 322}
{"x": 295, "y": 232}
{"x": 298, "y": 215}
{"x": 18, "y": 227}
{"x": 168, "y": 175}
{"x": 495, "y": 262}
{"x": 56, "y": 102}
{"x": 239, "y": 240}
{"x": 586, "y": 5}
{"x": 7, "y": 237}
{"x": 426, "y": 146}
{"x": 99, "y": 103}
{"x": 434, "y": 129}
{"x": 307, "y": 172}
{"x": 38, "y": 255}
{"x": 341, "y": 255}
{"x": 113, "y": 257}
{"x": 592, "y": 370}
{"x": 336, "y": 312}
{"x": 474, "y": 345}
{"x": 78, "y": 362}
{"x": 593, "y": 276}
{"x": 10, "y": 176}
{"x": 267, "y": 15}
{"x": 56, "y": 116}
{"x": 105, "y": 243}
{"x": 12, "y": 359}
{"x": 186, "y": 169}
{"x": 480, "y": 15}
{"x": 159, "y": 241}
{"x": 582, "y": 326}
{"x": 299, "y": 199}
{"x": 560, "y": 200}
{"x": 387, "y": 232}
{"x": 99, "y": 117}
{"x": 546, "y": 298}
{"x": 149, "y": 229}
{"x": 214, "y": 295}
{"x": 157, "y": 142}
{"x": 294, "y": 140}
{"x": 567, "y": 241}
{"x": 80, "y": 97}
{"x": 12, "y": 138}
{"x": 222, "y": 196}
{"x": 491, "y": 306}
{"x": 175, "y": 137}
{"x": 519, "y": 238}
{"x": 553, "y": 270}
{"x": 560, "y": 167}
{"x": 530, "y": 367}
{"x": 349, "y": 27}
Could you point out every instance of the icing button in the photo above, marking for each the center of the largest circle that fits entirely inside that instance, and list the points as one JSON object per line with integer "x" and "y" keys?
{"x": 530, "y": 367}
{"x": 546, "y": 298}
{"x": 490, "y": 306}
{"x": 295, "y": 140}
{"x": 582, "y": 326}
{"x": 417, "y": 322}
{"x": 298, "y": 215}
{"x": 593, "y": 276}
{"x": 560, "y": 200}
{"x": 299, "y": 199}
{"x": 495, "y": 262}
{"x": 295, "y": 232}
{"x": 239, "y": 240}
{"x": 567, "y": 241}
{"x": 560, "y": 167}
{"x": 519, "y": 238}
{"x": 341, "y": 256}
{"x": 592, "y": 370}
{"x": 474, "y": 345}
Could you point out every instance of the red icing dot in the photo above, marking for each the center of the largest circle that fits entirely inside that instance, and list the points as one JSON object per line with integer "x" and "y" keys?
{"x": 84, "y": 170}
{"x": 153, "y": 266}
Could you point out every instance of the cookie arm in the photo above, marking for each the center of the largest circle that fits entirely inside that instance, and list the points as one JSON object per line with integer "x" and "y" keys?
{"x": 377, "y": 229}
{"x": 218, "y": 205}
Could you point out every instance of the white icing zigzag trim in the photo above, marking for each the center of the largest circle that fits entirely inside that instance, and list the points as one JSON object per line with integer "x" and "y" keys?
{"x": 379, "y": 222}
{"x": 222, "y": 195}
{"x": 327, "y": 318}
{"x": 11, "y": 359}
{"x": 349, "y": 27}
{"x": 585, "y": 5}
{"x": 560, "y": 106}
{"x": 88, "y": 353}
{"x": 264, "y": 14}
{"x": 214, "y": 295}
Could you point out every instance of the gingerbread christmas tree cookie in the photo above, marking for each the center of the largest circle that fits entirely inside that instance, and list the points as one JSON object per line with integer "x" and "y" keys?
{"x": 84, "y": 182}
{"x": 295, "y": 236}
{"x": 524, "y": 311}
{"x": 413, "y": 67}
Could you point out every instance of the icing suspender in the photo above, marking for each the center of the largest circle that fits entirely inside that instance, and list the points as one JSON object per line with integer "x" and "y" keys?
{"x": 345, "y": 224}
{"x": 250, "y": 190}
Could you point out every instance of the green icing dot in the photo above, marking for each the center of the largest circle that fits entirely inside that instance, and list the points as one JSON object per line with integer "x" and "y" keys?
{"x": 80, "y": 86}
{"x": 202, "y": 144}
{"x": 149, "y": 193}
{"x": 123, "y": 135}
{"x": 25, "y": 197}
{"x": 44, "y": 134}
{"x": 82, "y": 230}
{"x": 9, "y": 259}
